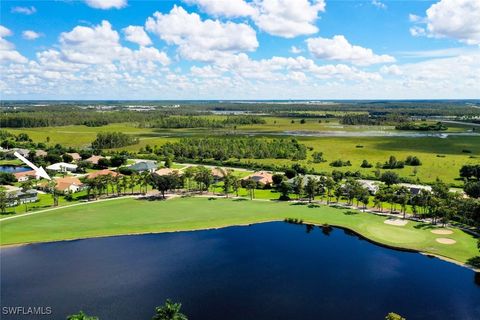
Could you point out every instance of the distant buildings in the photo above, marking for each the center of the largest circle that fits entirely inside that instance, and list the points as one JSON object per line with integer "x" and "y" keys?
{"x": 144, "y": 166}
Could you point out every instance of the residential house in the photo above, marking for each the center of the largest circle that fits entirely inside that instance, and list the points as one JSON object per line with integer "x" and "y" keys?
{"x": 17, "y": 196}
{"x": 166, "y": 171}
{"x": 371, "y": 185}
{"x": 66, "y": 184}
{"x": 104, "y": 172}
{"x": 75, "y": 156}
{"x": 63, "y": 167}
{"x": 25, "y": 175}
{"x": 262, "y": 177}
{"x": 415, "y": 188}
{"x": 144, "y": 166}
{"x": 305, "y": 179}
{"x": 22, "y": 152}
{"x": 40, "y": 153}
{"x": 94, "y": 159}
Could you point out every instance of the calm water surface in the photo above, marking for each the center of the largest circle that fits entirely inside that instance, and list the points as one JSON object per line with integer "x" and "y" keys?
{"x": 13, "y": 169}
{"x": 265, "y": 271}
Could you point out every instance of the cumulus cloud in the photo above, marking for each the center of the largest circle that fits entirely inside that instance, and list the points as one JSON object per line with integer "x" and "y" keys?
{"x": 456, "y": 19}
{"x": 283, "y": 18}
{"x": 288, "y": 18}
{"x": 7, "y": 49}
{"x": 228, "y": 8}
{"x": 106, "y": 4}
{"x": 338, "y": 48}
{"x": 100, "y": 45}
{"x": 30, "y": 35}
{"x": 24, "y": 10}
{"x": 137, "y": 34}
{"x": 204, "y": 40}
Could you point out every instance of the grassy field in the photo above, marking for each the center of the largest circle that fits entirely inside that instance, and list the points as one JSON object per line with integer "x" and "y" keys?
{"x": 441, "y": 158}
{"x": 130, "y": 216}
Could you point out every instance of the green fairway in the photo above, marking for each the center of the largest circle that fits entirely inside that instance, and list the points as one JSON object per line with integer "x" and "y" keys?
{"x": 131, "y": 216}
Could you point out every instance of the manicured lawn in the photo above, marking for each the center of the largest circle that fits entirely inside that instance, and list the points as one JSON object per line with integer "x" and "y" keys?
{"x": 126, "y": 216}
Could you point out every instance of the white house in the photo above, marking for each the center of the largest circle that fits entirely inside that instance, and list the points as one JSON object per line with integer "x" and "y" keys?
{"x": 63, "y": 167}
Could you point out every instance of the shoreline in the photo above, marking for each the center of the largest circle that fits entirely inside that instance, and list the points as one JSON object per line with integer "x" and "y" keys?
{"x": 375, "y": 242}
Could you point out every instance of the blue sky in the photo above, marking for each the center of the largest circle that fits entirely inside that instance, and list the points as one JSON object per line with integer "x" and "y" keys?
{"x": 239, "y": 49}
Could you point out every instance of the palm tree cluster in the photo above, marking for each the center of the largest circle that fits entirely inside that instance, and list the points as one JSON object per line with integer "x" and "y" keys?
{"x": 120, "y": 184}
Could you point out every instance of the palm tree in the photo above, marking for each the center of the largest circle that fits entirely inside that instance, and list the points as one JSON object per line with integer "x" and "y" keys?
{"x": 52, "y": 187}
{"x": 169, "y": 311}
{"x": 26, "y": 185}
{"x": 311, "y": 188}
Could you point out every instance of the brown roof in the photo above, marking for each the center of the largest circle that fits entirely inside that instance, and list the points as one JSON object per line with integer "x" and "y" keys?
{"x": 261, "y": 176}
{"x": 75, "y": 156}
{"x": 65, "y": 182}
{"x": 104, "y": 172}
{"x": 94, "y": 159}
{"x": 165, "y": 171}
{"x": 18, "y": 175}
{"x": 40, "y": 153}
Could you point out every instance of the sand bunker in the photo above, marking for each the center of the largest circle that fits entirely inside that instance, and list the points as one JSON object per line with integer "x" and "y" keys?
{"x": 396, "y": 222}
{"x": 441, "y": 231}
{"x": 445, "y": 241}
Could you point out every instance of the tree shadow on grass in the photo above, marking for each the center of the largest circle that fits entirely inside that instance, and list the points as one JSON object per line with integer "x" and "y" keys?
{"x": 474, "y": 262}
{"x": 313, "y": 205}
{"x": 240, "y": 199}
{"x": 298, "y": 204}
{"x": 426, "y": 226}
{"x": 350, "y": 212}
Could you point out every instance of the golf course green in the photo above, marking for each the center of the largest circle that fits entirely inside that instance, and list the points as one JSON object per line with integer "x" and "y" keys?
{"x": 136, "y": 216}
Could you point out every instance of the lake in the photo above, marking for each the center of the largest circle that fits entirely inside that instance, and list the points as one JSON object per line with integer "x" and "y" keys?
{"x": 13, "y": 169}
{"x": 265, "y": 271}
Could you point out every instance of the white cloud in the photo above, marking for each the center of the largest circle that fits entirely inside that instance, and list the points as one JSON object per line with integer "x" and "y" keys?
{"x": 338, "y": 48}
{"x": 391, "y": 70}
{"x": 31, "y": 35}
{"x": 288, "y": 18}
{"x": 226, "y": 8}
{"x": 295, "y": 50}
{"x": 196, "y": 39}
{"x": 284, "y": 18}
{"x": 106, "y": 4}
{"x": 7, "y": 49}
{"x": 137, "y": 34}
{"x": 456, "y": 19}
{"x": 379, "y": 4}
{"x": 24, "y": 10}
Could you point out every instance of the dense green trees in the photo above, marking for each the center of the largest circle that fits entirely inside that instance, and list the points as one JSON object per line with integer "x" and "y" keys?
{"x": 165, "y": 183}
{"x": 109, "y": 140}
{"x": 234, "y": 147}
{"x": 439, "y": 126}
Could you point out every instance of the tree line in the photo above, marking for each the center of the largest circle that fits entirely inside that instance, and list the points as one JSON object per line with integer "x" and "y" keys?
{"x": 110, "y": 140}
{"x": 234, "y": 147}
{"x": 177, "y": 122}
